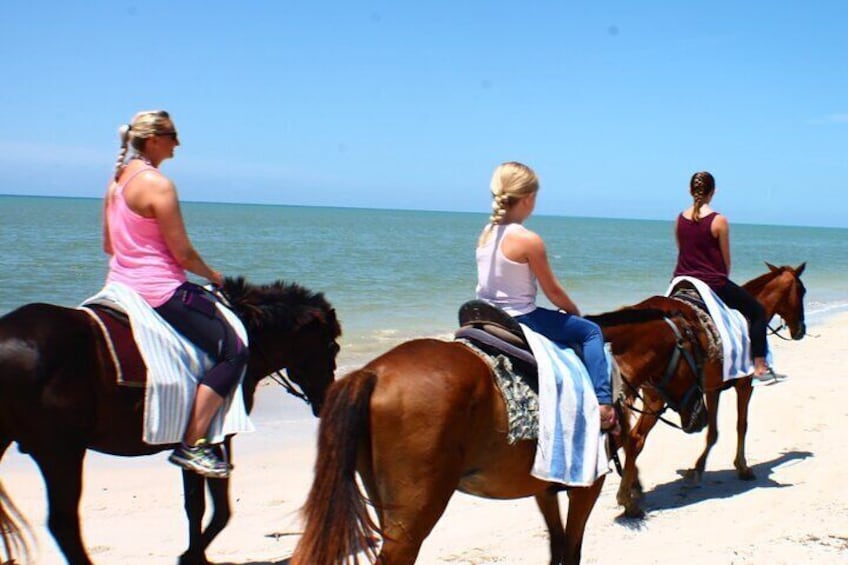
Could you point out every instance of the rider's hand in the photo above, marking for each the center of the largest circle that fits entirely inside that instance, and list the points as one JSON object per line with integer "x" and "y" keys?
{"x": 609, "y": 421}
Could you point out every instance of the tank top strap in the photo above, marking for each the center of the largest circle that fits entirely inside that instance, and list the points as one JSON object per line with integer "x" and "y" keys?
{"x": 119, "y": 189}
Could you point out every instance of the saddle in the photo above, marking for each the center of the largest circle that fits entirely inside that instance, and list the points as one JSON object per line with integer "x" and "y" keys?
{"x": 685, "y": 292}
{"x": 495, "y": 332}
{"x": 118, "y": 338}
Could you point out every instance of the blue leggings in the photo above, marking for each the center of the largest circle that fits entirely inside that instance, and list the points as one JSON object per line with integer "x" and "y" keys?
{"x": 192, "y": 312}
{"x": 564, "y": 329}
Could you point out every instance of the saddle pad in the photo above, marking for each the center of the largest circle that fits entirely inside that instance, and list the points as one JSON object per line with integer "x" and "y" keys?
{"x": 173, "y": 366}
{"x": 732, "y": 327}
{"x": 130, "y": 369}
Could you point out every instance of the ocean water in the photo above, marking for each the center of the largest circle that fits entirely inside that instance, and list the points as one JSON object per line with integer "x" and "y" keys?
{"x": 394, "y": 275}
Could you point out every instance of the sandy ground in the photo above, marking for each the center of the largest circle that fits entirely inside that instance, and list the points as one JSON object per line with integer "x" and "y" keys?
{"x": 796, "y": 511}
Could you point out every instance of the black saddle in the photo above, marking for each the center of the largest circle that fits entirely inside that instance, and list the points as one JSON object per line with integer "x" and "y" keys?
{"x": 495, "y": 332}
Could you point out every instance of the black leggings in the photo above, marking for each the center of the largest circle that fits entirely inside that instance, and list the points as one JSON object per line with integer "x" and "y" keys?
{"x": 192, "y": 312}
{"x": 740, "y": 299}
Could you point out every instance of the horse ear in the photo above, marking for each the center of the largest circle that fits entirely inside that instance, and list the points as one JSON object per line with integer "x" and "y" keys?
{"x": 800, "y": 269}
{"x": 771, "y": 267}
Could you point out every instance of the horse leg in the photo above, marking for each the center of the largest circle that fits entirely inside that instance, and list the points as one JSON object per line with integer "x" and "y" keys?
{"x": 220, "y": 491}
{"x": 413, "y": 484}
{"x": 62, "y": 472}
{"x": 548, "y": 503}
{"x": 630, "y": 489}
{"x": 194, "y": 501}
{"x": 743, "y": 398}
{"x": 581, "y": 501}
{"x": 694, "y": 475}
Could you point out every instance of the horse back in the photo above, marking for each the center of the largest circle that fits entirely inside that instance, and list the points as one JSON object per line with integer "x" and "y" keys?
{"x": 439, "y": 399}
{"x": 55, "y": 381}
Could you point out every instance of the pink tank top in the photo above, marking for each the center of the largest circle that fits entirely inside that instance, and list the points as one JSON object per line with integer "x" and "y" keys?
{"x": 140, "y": 259}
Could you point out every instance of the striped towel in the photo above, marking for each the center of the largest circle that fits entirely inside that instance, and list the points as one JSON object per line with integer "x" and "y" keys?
{"x": 173, "y": 365}
{"x": 732, "y": 327}
{"x": 570, "y": 448}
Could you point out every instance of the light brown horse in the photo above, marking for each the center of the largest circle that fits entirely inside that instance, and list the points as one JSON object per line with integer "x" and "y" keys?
{"x": 781, "y": 292}
{"x": 426, "y": 419}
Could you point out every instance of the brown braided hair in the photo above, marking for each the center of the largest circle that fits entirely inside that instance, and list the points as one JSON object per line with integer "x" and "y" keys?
{"x": 701, "y": 187}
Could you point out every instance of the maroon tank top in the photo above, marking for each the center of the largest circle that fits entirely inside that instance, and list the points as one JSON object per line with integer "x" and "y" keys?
{"x": 699, "y": 254}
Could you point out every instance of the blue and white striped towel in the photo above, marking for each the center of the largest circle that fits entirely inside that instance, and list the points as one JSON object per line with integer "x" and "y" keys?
{"x": 570, "y": 448}
{"x": 173, "y": 365}
{"x": 732, "y": 327}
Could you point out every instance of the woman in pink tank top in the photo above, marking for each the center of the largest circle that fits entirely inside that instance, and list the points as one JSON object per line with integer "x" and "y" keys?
{"x": 703, "y": 252}
{"x": 144, "y": 233}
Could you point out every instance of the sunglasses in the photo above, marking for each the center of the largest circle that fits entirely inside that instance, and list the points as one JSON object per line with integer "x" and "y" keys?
{"x": 171, "y": 134}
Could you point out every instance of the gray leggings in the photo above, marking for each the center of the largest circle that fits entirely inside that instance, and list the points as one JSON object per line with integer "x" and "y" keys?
{"x": 192, "y": 311}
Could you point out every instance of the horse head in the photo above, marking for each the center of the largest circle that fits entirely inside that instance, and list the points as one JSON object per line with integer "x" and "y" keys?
{"x": 289, "y": 328}
{"x": 782, "y": 292}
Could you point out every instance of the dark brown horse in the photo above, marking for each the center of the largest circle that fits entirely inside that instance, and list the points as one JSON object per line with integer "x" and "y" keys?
{"x": 426, "y": 419}
{"x": 58, "y": 398}
{"x": 781, "y": 292}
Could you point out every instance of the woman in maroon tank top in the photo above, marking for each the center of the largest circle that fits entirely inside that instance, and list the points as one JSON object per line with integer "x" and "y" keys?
{"x": 703, "y": 244}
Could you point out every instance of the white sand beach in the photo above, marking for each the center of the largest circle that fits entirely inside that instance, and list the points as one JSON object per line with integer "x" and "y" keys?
{"x": 796, "y": 511}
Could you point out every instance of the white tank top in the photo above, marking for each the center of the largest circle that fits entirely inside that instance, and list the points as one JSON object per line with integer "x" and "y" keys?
{"x": 501, "y": 282}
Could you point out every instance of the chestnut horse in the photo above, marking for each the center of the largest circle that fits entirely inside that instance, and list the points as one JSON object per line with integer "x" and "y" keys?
{"x": 781, "y": 292}
{"x": 426, "y": 419}
{"x": 58, "y": 398}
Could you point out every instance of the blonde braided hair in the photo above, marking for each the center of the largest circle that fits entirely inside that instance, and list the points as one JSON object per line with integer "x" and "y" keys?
{"x": 511, "y": 182}
{"x": 701, "y": 188}
{"x": 143, "y": 126}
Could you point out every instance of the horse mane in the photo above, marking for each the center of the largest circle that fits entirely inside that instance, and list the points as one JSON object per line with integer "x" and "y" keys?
{"x": 279, "y": 306}
{"x": 628, "y": 315}
{"x": 754, "y": 286}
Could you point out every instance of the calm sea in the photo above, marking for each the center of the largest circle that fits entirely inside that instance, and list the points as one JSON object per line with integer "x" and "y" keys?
{"x": 393, "y": 275}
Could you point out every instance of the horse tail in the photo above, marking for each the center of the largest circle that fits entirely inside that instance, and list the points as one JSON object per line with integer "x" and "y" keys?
{"x": 338, "y": 525}
{"x": 13, "y": 525}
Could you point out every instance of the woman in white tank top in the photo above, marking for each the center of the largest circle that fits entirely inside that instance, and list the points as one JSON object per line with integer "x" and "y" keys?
{"x": 512, "y": 262}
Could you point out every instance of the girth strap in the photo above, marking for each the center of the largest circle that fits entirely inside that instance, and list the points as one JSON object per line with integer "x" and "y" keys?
{"x": 679, "y": 348}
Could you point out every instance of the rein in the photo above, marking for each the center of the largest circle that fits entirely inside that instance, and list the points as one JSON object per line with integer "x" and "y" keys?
{"x": 777, "y": 331}
{"x": 284, "y": 381}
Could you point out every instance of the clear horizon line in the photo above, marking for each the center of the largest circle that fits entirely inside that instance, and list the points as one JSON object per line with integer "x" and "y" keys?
{"x": 390, "y": 209}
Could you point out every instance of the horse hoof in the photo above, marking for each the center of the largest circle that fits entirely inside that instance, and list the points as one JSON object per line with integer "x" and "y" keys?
{"x": 192, "y": 559}
{"x": 746, "y": 474}
{"x": 692, "y": 477}
{"x": 634, "y": 512}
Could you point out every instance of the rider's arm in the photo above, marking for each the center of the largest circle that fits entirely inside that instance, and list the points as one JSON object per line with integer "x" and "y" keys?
{"x": 720, "y": 228}
{"x": 165, "y": 207}
{"x": 528, "y": 247}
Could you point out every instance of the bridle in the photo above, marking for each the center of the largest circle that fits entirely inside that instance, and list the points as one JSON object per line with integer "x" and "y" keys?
{"x": 776, "y": 331}
{"x": 783, "y": 325}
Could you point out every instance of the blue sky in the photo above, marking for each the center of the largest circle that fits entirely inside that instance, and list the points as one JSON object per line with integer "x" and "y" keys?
{"x": 411, "y": 105}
